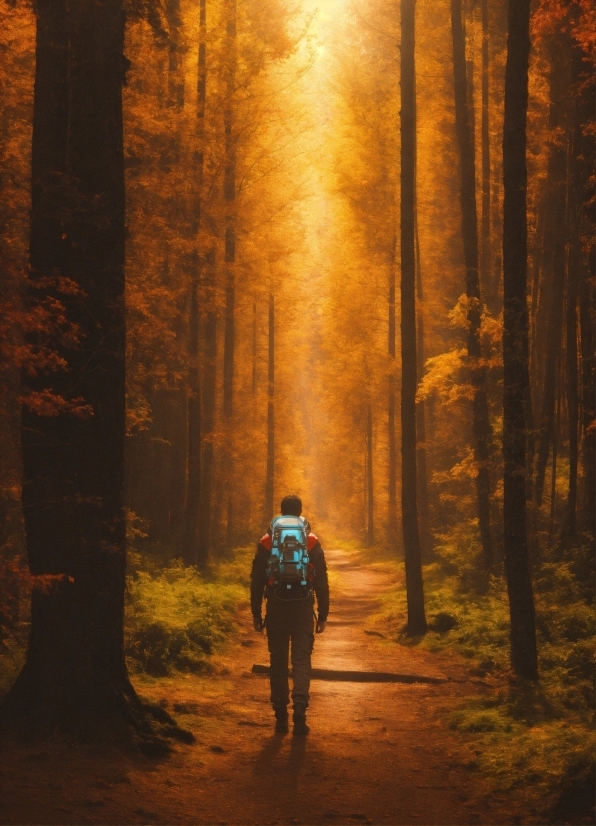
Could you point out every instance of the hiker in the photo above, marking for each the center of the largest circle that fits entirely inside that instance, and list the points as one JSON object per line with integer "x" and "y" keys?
{"x": 289, "y": 569}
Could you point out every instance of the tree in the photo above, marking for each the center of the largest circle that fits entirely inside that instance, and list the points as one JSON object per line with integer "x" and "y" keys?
{"x": 556, "y": 262}
{"x": 193, "y": 496}
{"x": 415, "y": 593}
{"x": 270, "y": 474}
{"x": 392, "y": 481}
{"x": 515, "y": 343}
{"x": 465, "y": 137}
{"x": 75, "y": 673}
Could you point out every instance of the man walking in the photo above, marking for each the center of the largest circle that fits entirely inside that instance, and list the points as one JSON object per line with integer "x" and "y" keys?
{"x": 290, "y": 593}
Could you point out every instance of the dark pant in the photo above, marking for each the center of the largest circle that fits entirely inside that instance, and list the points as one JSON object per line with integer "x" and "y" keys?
{"x": 288, "y": 623}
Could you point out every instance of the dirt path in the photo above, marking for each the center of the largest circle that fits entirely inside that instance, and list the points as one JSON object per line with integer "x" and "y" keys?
{"x": 377, "y": 752}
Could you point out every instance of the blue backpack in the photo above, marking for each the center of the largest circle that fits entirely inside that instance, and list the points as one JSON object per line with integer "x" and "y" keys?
{"x": 288, "y": 563}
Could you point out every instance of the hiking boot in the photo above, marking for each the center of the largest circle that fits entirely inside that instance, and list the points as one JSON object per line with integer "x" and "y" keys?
{"x": 300, "y": 726}
{"x": 281, "y": 721}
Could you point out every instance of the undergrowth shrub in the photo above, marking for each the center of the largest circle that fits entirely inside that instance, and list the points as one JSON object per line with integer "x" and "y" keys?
{"x": 177, "y": 618}
{"x": 538, "y": 739}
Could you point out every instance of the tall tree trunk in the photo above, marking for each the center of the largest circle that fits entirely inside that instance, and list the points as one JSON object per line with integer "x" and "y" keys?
{"x": 587, "y": 306}
{"x": 370, "y": 500}
{"x": 426, "y": 539}
{"x": 571, "y": 348}
{"x": 229, "y": 193}
{"x": 270, "y": 477}
{"x": 582, "y": 272}
{"x": 175, "y": 59}
{"x": 392, "y": 480}
{"x": 485, "y": 251}
{"x": 193, "y": 491}
{"x": 553, "y": 478}
{"x": 482, "y": 427}
{"x": 515, "y": 343}
{"x": 75, "y": 675}
{"x": 209, "y": 381}
{"x": 537, "y": 277}
{"x": 174, "y": 427}
{"x": 193, "y": 496}
{"x": 254, "y": 347}
{"x": 414, "y": 586}
{"x": 557, "y": 212}
{"x": 572, "y": 403}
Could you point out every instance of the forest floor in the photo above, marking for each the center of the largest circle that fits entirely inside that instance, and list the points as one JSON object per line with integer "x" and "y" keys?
{"x": 376, "y": 753}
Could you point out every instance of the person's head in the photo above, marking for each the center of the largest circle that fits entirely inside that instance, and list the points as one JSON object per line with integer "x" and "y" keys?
{"x": 291, "y": 505}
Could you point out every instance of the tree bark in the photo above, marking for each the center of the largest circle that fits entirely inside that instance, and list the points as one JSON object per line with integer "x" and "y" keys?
{"x": 175, "y": 62}
{"x": 370, "y": 501}
{"x": 193, "y": 492}
{"x": 392, "y": 475}
{"x": 270, "y": 476}
{"x": 485, "y": 254}
{"x": 209, "y": 381}
{"x": 515, "y": 343}
{"x": 553, "y": 477}
{"x": 415, "y": 591}
{"x": 537, "y": 289}
{"x": 482, "y": 427}
{"x": 426, "y": 539}
{"x": 587, "y": 305}
{"x": 229, "y": 193}
{"x": 75, "y": 676}
{"x": 584, "y": 174}
{"x": 192, "y": 553}
{"x": 254, "y": 347}
{"x": 571, "y": 348}
{"x": 557, "y": 241}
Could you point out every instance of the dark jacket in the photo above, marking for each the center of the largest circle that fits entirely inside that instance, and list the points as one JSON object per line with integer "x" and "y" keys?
{"x": 260, "y": 588}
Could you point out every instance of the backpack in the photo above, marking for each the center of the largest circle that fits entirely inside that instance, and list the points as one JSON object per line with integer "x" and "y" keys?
{"x": 288, "y": 564}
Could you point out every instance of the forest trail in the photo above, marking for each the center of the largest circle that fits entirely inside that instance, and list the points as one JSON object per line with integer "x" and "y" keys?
{"x": 376, "y": 753}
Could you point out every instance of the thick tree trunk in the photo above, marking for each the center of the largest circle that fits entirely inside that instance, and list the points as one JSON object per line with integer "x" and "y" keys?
{"x": 75, "y": 676}
{"x": 370, "y": 500}
{"x": 414, "y": 586}
{"x": 482, "y": 427}
{"x": 557, "y": 241}
{"x": 515, "y": 343}
{"x": 270, "y": 477}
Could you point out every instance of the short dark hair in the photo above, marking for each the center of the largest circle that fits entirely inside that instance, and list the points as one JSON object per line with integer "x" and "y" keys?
{"x": 291, "y": 505}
